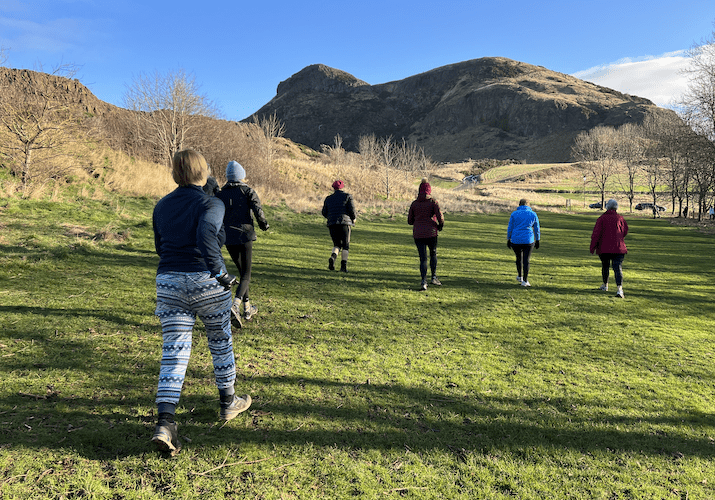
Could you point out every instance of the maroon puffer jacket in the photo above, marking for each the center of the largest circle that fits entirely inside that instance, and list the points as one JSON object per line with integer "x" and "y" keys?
{"x": 608, "y": 234}
{"x": 424, "y": 216}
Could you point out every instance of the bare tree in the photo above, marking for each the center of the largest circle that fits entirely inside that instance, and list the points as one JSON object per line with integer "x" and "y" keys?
{"x": 369, "y": 150}
{"x": 168, "y": 110}
{"x": 38, "y": 126}
{"x": 698, "y": 101}
{"x": 631, "y": 151}
{"x": 597, "y": 148}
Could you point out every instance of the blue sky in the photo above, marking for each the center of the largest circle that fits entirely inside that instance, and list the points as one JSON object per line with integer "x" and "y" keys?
{"x": 240, "y": 51}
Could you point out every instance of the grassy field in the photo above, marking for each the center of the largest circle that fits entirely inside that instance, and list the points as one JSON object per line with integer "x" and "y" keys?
{"x": 363, "y": 387}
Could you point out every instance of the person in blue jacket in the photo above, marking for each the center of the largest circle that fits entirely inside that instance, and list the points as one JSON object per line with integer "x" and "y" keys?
{"x": 522, "y": 236}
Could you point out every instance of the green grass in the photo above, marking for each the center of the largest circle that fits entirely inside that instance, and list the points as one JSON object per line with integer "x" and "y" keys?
{"x": 363, "y": 387}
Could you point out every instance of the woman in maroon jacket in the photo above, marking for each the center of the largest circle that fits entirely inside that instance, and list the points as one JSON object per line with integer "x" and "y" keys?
{"x": 426, "y": 220}
{"x": 607, "y": 241}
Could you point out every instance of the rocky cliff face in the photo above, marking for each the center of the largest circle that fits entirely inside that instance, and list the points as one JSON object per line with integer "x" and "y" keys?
{"x": 23, "y": 82}
{"x": 483, "y": 108}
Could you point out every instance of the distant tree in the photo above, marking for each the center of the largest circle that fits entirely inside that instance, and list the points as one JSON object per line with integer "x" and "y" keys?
{"x": 698, "y": 101}
{"x": 598, "y": 149}
{"x": 631, "y": 151}
{"x": 168, "y": 111}
{"x": 38, "y": 126}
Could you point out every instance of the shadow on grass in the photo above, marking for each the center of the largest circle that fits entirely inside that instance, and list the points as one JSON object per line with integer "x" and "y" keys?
{"x": 371, "y": 417}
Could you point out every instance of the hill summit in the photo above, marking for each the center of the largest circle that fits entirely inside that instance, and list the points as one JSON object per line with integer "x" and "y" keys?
{"x": 491, "y": 107}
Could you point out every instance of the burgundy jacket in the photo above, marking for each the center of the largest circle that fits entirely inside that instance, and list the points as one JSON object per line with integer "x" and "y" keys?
{"x": 425, "y": 217}
{"x": 608, "y": 234}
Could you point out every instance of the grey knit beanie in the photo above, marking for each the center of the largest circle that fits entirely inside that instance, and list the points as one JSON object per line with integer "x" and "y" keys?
{"x": 235, "y": 172}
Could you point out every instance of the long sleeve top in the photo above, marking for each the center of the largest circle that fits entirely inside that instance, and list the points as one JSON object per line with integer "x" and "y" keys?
{"x": 523, "y": 226}
{"x": 609, "y": 234}
{"x": 425, "y": 217}
{"x": 242, "y": 204}
{"x": 188, "y": 231}
{"x": 338, "y": 208}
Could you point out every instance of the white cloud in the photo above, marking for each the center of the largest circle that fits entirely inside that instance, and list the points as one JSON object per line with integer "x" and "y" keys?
{"x": 658, "y": 78}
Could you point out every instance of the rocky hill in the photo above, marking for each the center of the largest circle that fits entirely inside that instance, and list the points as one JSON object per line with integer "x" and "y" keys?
{"x": 483, "y": 108}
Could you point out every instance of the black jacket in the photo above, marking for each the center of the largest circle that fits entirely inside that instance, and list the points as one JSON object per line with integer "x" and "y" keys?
{"x": 240, "y": 201}
{"x": 338, "y": 208}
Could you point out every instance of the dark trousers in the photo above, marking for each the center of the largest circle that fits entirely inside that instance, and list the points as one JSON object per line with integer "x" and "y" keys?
{"x": 615, "y": 260}
{"x": 242, "y": 256}
{"x": 523, "y": 258}
{"x": 423, "y": 244}
{"x": 340, "y": 234}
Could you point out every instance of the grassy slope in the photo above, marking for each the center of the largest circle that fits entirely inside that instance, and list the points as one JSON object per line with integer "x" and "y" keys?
{"x": 362, "y": 385}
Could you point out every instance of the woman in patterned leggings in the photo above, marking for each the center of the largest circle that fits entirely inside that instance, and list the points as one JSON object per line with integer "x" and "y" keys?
{"x": 192, "y": 281}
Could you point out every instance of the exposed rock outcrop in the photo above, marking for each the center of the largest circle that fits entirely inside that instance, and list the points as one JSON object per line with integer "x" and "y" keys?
{"x": 483, "y": 108}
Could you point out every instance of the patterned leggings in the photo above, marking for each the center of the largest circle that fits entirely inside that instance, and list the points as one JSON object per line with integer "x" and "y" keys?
{"x": 180, "y": 297}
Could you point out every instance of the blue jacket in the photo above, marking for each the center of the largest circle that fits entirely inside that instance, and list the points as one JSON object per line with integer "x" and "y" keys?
{"x": 523, "y": 226}
{"x": 188, "y": 232}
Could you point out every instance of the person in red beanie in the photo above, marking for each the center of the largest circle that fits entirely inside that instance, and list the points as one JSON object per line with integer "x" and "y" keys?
{"x": 426, "y": 220}
{"x": 607, "y": 240}
{"x": 339, "y": 210}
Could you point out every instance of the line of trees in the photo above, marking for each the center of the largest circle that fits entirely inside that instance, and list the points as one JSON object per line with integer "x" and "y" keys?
{"x": 662, "y": 151}
{"x": 676, "y": 151}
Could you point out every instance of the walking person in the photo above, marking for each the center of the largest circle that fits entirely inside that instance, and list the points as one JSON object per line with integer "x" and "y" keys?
{"x": 523, "y": 234}
{"x": 426, "y": 220}
{"x": 242, "y": 204}
{"x": 339, "y": 210}
{"x": 191, "y": 281}
{"x": 607, "y": 240}
{"x": 711, "y": 213}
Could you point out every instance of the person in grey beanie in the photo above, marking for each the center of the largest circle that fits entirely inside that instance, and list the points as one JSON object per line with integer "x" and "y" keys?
{"x": 242, "y": 203}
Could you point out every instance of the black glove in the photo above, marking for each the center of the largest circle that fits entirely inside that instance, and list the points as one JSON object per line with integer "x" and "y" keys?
{"x": 440, "y": 226}
{"x": 227, "y": 280}
{"x": 508, "y": 243}
{"x": 536, "y": 244}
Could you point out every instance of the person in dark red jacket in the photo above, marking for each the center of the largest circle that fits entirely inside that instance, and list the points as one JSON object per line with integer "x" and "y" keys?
{"x": 426, "y": 220}
{"x": 607, "y": 240}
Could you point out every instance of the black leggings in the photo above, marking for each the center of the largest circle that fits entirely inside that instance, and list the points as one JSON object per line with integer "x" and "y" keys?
{"x": 615, "y": 260}
{"x": 523, "y": 259}
{"x": 242, "y": 256}
{"x": 422, "y": 245}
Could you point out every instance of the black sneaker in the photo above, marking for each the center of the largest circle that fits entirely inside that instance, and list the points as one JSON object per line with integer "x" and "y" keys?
{"x": 344, "y": 266}
{"x": 231, "y": 410}
{"x": 166, "y": 437}
{"x": 331, "y": 264}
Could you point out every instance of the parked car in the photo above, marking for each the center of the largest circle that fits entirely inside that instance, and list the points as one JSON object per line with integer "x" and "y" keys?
{"x": 649, "y": 206}
{"x": 595, "y": 205}
{"x": 471, "y": 179}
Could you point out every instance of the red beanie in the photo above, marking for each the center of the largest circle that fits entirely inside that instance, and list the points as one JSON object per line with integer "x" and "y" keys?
{"x": 338, "y": 184}
{"x": 425, "y": 188}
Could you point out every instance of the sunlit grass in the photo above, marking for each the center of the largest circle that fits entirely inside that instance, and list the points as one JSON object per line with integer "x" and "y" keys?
{"x": 363, "y": 386}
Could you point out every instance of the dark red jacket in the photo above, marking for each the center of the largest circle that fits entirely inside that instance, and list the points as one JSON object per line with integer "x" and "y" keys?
{"x": 425, "y": 217}
{"x": 608, "y": 234}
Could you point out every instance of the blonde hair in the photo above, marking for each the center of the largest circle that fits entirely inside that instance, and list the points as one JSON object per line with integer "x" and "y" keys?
{"x": 189, "y": 167}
